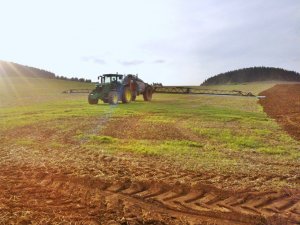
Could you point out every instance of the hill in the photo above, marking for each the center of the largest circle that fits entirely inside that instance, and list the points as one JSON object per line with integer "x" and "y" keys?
{"x": 253, "y": 74}
{"x": 15, "y": 69}
{"x": 23, "y": 85}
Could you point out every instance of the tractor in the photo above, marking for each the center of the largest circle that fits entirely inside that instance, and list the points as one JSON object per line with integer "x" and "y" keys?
{"x": 113, "y": 88}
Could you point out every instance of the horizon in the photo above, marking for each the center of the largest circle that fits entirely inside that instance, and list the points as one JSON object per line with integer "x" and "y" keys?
{"x": 209, "y": 78}
{"x": 170, "y": 42}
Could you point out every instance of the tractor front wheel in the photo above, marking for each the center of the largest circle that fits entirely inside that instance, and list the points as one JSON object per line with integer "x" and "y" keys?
{"x": 92, "y": 101}
{"x": 113, "y": 97}
{"x": 126, "y": 95}
{"x": 147, "y": 93}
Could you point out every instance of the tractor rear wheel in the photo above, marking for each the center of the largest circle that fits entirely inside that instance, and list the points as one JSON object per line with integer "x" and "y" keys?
{"x": 147, "y": 94}
{"x": 126, "y": 95}
{"x": 113, "y": 97}
{"x": 133, "y": 97}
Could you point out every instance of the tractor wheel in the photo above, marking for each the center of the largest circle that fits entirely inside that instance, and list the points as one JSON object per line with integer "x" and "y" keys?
{"x": 126, "y": 96}
{"x": 133, "y": 97}
{"x": 113, "y": 97}
{"x": 92, "y": 101}
{"x": 147, "y": 94}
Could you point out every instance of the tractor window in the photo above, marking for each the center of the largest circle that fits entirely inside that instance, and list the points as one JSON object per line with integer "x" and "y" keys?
{"x": 106, "y": 79}
{"x": 109, "y": 79}
{"x": 115, "y": 79}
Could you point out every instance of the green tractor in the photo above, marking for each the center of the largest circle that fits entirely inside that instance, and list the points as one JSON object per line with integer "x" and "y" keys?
{"x": 113, "y": 88}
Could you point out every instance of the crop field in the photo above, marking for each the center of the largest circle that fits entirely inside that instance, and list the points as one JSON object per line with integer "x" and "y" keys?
{"x": 180, "y": 159}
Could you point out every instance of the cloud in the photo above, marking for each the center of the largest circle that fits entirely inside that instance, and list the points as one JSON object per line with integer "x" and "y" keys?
{"x": 159, "y": 61}
{"x": 99, "y": 61}
{"x": 131, "y": 62}
{"x": 93, "y": 59}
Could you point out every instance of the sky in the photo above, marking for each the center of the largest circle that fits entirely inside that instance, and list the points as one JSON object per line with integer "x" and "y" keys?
{"x": 174, "y": 42}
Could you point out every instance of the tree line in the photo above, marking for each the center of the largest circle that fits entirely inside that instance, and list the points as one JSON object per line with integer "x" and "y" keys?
{"x": 74, "y": 79}
{"x": 253, "y": 74}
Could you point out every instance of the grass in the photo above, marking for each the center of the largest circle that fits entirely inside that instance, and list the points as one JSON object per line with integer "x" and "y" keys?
{"x": 223, "y": 134}
{"x": 253, "y": 87}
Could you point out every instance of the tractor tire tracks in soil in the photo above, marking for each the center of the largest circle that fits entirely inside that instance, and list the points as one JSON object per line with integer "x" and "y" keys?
{"x": 100, "y": 199}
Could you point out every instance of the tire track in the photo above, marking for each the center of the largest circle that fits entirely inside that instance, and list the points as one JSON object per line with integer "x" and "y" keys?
{"x": 56, "y": 190}
{"x": 191, "y": 199}
{"x": 201, "y": 200}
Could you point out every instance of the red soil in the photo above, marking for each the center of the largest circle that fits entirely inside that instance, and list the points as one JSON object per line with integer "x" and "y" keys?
{"x": 282, "y": 103}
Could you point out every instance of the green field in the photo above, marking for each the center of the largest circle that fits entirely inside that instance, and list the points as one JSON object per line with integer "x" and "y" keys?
{"x": 223, "y": 135}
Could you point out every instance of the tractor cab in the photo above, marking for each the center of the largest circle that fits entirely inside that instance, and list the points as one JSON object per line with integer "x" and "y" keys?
{"x": 110, "y": 78}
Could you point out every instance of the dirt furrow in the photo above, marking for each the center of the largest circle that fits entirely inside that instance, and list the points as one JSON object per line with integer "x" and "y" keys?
{"x": 80, "y": 195}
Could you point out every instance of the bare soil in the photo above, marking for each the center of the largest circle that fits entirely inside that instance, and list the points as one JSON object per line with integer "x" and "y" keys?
{"x": 138, "y": 129}
{"x": 44, "y": 195}
{"x": 282, "y": 103}
{"x": 125, "y": 189}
